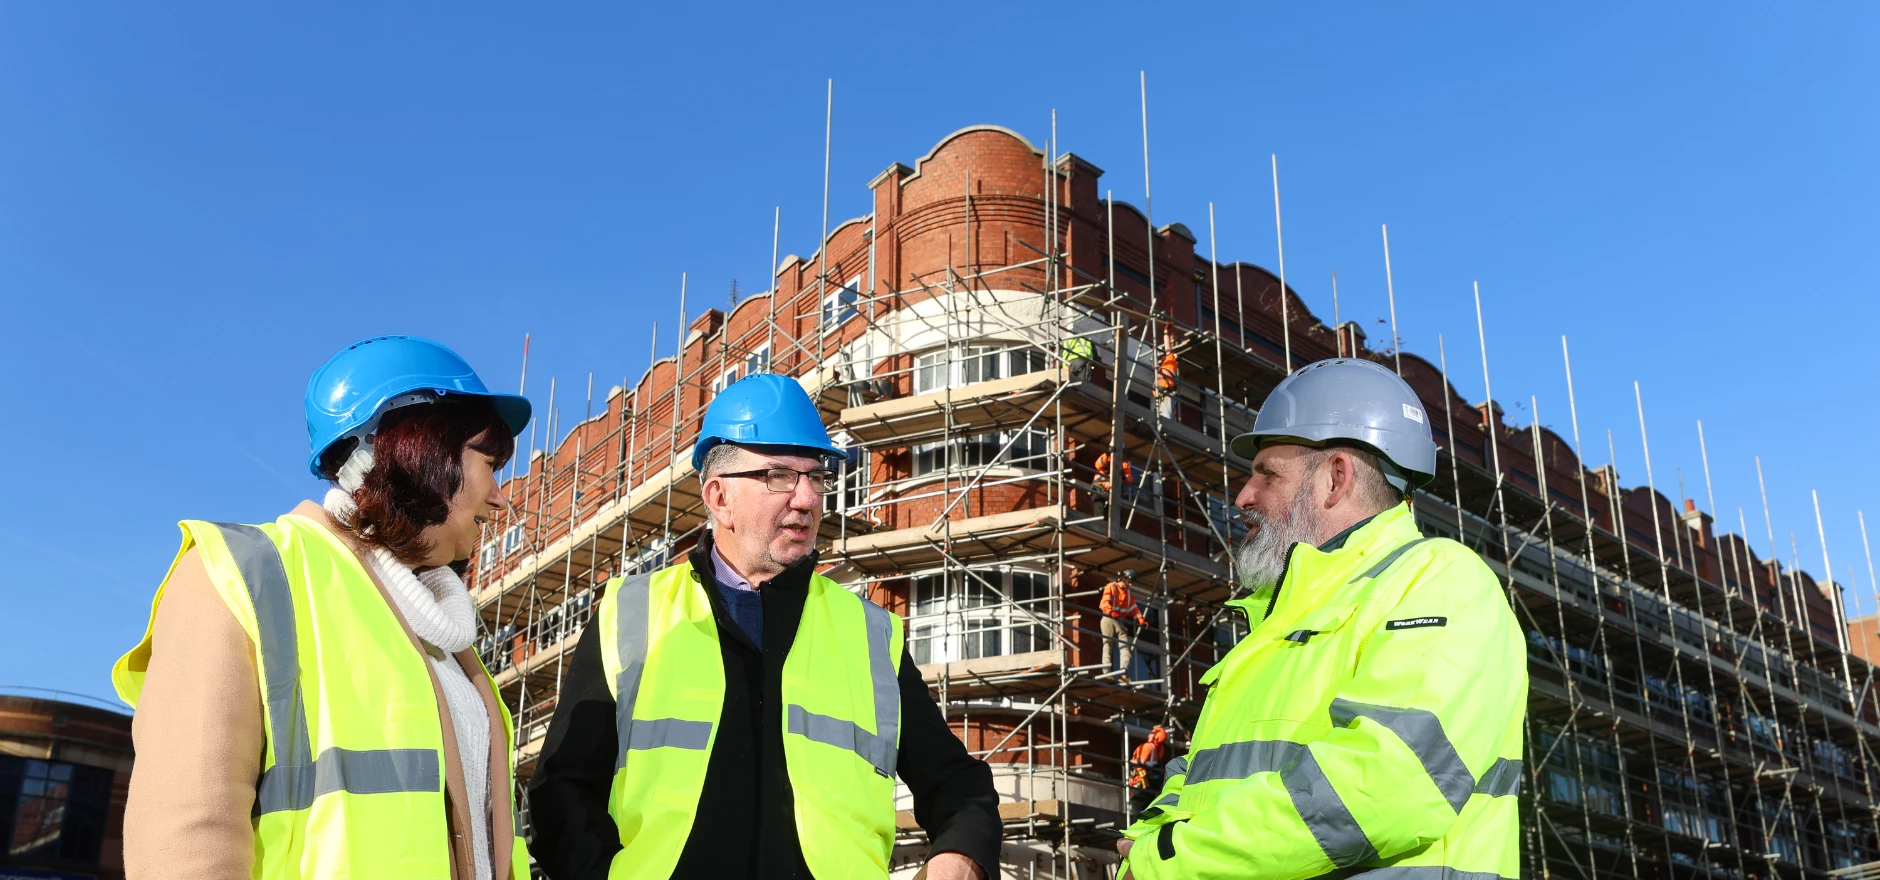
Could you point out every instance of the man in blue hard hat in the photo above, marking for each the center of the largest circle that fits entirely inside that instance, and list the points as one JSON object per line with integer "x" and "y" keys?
{"x": 739, "y": 715}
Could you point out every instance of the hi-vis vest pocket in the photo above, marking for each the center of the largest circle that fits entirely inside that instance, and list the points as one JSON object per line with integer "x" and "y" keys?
{"x": 1318, "y": 622}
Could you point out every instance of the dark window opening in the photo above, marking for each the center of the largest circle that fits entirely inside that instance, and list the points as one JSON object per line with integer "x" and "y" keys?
{"x": 52, "y": 811}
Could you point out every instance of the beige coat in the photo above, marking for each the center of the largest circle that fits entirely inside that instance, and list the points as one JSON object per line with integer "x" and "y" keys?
{"x": 199, "y": 738}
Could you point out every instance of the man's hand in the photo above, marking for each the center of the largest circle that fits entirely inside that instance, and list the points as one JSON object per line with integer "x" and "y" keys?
{"x": 1122, "y": 846}
{"x": 951, "y": 866}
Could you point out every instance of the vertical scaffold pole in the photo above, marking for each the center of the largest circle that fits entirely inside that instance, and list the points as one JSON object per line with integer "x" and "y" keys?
{"x": 1148, "y": 202}
{"x": 822, "y": 244}
{"x": 1220, "y": 397}
{"x": 1449, "y": 431}
{"x": 1285, "y": 307}
{"x": 770, "y": 342}
{"x": 675, "y": 419}
{"x": 1390, "y": 289}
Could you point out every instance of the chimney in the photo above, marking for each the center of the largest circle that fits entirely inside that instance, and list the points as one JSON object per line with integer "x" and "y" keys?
{"x": 1491, "y": 413}
{"x": 1699, "y": 523}
{"x": 1350, "y": 339}
{"x": 1607, "y": 479}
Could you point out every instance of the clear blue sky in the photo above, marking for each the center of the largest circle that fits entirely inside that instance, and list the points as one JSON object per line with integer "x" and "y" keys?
{"x": 199, "y": 203}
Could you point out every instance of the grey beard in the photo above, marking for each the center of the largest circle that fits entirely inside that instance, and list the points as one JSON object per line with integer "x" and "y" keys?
{"x": 1261, "y": 556}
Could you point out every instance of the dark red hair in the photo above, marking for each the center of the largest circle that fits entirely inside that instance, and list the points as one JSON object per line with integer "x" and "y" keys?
{"x": 417, "y": 468}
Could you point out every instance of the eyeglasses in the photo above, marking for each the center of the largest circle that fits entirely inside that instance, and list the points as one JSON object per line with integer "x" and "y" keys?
{"x": 783, "y": 480}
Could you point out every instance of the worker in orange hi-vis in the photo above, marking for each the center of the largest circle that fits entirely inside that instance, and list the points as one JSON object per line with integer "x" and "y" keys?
{"x": 1119, "y": 611}
{"x": 1146, "y": 768}
{"x": 1166, "y": 371}
{"x": 1101, "y": 501}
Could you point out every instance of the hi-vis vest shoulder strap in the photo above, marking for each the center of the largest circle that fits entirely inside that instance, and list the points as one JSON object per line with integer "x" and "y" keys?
{"x": 297, "y": 777}
{"x": 352, "y": 778}
{"x": 841, "y": 720}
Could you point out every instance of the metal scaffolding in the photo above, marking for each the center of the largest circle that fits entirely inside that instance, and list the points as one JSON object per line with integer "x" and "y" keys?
{"x": 1691, "y": 714}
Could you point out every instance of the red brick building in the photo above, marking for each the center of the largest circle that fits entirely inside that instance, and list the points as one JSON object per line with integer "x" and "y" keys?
{"x": 937, "y": 335}
{"x": 65, "y": 770}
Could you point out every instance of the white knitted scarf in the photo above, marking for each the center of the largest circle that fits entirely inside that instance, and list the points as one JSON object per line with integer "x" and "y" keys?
{"x": 435, "y": 601}
{"x": 437, "y": 606}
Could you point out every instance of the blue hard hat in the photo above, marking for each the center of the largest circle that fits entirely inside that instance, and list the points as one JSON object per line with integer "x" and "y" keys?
{"x": 764, "y": 410}
{"x": 352, "y": 389}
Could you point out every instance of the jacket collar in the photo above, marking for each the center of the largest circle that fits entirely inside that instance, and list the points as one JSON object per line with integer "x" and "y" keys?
{"x": 1315, "y": 574}
{"x": 794, "y": 579}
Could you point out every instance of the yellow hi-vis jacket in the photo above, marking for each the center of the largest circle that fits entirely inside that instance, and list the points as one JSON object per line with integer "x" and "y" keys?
{"x": 1370, "y": 721}
{"x": 841, "y": 717}
{"x": 352, "y": 779}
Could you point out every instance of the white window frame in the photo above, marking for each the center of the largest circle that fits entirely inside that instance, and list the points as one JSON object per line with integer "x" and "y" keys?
{"x": 724, "y": 380}
{"x": 992, "y": 441}
{"x": 964, "y": 365}
{"x": 652, "y": 556}
{"x": 854, "y": 477}
{"x": 959, "y": 626}
{"x": 841, "y": 304}
{"x": 758, "y": 361}
{"x": 512, "y": 539}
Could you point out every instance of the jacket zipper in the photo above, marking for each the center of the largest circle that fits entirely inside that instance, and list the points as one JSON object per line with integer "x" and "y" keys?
{"x": 1283, "y": 569}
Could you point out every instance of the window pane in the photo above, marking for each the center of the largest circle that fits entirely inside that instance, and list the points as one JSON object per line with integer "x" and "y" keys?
{"x": 922, "y": 647}
{"x": 929, "y": 372}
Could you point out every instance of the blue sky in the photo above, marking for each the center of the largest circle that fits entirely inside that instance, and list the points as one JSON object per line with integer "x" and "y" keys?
{"x": 200, "y": 202}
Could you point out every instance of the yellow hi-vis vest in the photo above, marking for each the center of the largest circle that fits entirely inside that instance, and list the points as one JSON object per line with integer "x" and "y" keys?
{"x": 1372, "y": 722}
{"x": 841, "y": 717}
{"x": 352, "y": 779}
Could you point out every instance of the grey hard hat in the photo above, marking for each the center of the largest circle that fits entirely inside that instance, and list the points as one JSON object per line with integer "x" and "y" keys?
{"x": 1350, "y": 400}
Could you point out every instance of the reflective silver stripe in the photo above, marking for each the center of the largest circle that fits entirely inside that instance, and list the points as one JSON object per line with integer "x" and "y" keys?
{"x": 847, "y": 735}
{"x": 670, "y": 733}
{"x": 1324, "y": 813}
{"x": 881, "y": 673}
{"x": 1240, "y": 760}
{"x": 1422, "y": 731}
{"x": 297, "y": 777}
{"x": 1331, "y": 824}
{"x": 1179, "y": 766}
{"x": 880, "y": 749}
{"x": 1503, "y": 778}
{"x": 1389, "y": 558}
{"x": 1416, "y": 872}
{"x": 262, "y": 571}
{"x": 1168, "y": 800}
{"x": 382, "y": 771}
{"x": 631, "y": 608}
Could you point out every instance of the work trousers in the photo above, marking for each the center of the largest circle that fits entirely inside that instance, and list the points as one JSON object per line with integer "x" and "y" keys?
{"x": 1119, "y": 646}
{"x": 1079, "y": 369}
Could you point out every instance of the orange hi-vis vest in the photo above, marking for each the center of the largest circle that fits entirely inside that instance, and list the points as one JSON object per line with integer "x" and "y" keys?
{"x": 1103, "y": 472}
{"x": 1119, "y": 602}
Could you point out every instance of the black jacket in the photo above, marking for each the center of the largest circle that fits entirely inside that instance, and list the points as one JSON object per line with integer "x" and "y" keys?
{"x": 745, "y": 826}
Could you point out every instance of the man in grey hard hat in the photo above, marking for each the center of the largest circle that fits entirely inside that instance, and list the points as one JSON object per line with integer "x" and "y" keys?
{"x": 1372, "y": 715}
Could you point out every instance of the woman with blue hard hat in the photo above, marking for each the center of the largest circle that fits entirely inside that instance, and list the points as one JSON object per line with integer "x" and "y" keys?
{"x": 309, "y": 704}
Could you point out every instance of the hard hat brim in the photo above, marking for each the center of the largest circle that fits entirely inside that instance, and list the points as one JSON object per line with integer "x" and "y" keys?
{"x": 1248, "y": 445}
{"x": 514, "y": 409}
{"x": 829, "y": 451}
